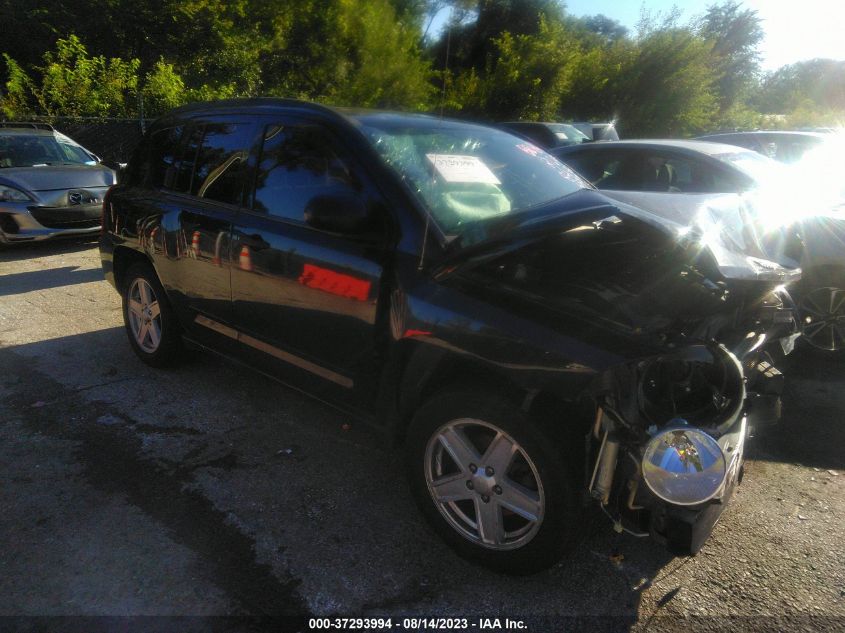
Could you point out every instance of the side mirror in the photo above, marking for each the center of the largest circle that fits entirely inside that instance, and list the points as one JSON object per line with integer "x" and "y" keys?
{"x": 337, "y": 213}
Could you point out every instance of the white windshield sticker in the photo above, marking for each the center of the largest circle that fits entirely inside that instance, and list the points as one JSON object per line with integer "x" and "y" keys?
{"x": 459, "y": 168}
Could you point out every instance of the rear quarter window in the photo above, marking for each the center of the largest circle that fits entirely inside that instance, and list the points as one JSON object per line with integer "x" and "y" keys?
{"x": 159, "y": 168}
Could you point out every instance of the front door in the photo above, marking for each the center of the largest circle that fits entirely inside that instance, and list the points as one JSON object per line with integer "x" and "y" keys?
{"x": 305, "y": 300}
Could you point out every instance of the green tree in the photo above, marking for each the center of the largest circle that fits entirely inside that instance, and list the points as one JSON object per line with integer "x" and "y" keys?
{"x": 383, "y": 66}
{"x": 163, "y": 89}
{"x": 18, "y": 98}
{"x": 526, "y": 75}
{"x": 735, "y": 34}
{"x": 75, "y": 84}
{"x": 666, "y": 83}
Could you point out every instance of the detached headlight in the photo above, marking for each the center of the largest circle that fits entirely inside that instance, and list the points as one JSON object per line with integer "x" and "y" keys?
{"x": 10, "y": 194}
{"x": 684, "y": 466}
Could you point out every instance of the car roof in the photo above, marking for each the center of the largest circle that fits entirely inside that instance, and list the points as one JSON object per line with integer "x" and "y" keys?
{"x": 534, "y": 123}
{"x": 22, "y": 131}
{"x": 271, "y": 104}
{"x": 704, "y": 147}
{"x": 807, "y": 134}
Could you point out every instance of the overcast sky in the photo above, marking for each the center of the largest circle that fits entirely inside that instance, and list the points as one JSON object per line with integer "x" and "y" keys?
{"x": 794, "y": 30}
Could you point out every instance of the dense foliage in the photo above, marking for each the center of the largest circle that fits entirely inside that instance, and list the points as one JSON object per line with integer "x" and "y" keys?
{"x": 495, "y": 60}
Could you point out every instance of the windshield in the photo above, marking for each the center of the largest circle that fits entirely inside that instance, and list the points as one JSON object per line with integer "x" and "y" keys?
{"x": 466, "y": 174}
{"x": 569, "y": 134}
{"x": 30, "y": 150}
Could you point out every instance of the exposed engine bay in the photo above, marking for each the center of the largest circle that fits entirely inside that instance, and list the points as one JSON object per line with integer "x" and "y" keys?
{"x": 666, "y": 449}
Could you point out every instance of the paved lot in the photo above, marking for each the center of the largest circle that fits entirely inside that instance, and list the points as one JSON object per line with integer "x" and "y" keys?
{"x": 210, "y": 490}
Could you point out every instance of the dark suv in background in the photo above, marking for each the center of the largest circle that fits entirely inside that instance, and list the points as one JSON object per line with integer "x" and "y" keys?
{"x": 529, "y": 343}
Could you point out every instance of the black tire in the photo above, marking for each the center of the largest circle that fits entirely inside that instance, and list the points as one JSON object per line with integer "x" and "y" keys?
{"x": 818, "y": 284}
{"x": 558, "y": 528}
{"x": 169, "y": 349}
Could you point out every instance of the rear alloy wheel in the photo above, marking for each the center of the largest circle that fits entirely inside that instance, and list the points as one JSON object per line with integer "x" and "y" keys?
{"x": 822, "y": 313}
{"x": 490, "y": 482}
{"x": 144, "y": 315}
{"x": 150, "y": 323}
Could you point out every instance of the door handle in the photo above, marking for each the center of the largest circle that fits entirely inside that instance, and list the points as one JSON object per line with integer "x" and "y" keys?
{"x": 255, "y": 242}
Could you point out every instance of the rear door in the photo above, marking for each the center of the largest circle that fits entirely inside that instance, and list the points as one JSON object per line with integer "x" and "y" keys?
{"x": 208, "y": 187}
{"x": 305, "y": 300}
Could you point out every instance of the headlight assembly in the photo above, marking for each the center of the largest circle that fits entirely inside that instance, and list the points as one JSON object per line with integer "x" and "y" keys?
{"x": 684, "y": 466}
{"x": 10, "y": 194}
{"x": 703, "y": 386}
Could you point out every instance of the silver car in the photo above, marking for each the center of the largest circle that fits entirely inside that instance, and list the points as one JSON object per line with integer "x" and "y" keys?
{"x": 793, "y": 217}
{"x": 50, "y": 186}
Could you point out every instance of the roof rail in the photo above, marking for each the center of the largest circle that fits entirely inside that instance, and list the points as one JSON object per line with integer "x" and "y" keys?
{"x": 27, "y": 124}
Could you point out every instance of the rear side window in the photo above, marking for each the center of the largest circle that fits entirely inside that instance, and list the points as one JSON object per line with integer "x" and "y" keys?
{"x": 208, "y": 160}
{"x": 160, "y": 168}
{"x": 187, "y": 158}
{"x": 221, "y": 161}
{"x": 296, "y": 164}
{"x": 595, "y": 167}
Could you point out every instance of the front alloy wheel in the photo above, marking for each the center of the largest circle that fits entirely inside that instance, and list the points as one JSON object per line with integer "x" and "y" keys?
{"x": 491, "y": 482}
{"x": 823, "y": 318}
{"x": 494, "y": 497}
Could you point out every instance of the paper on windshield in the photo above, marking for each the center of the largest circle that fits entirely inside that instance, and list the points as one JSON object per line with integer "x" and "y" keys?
{"x": 461, "y": 168}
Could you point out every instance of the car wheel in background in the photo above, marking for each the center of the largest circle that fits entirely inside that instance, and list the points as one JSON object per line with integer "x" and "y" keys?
{"x": 490, "y": 482}
{"x": 822, "y": 312}
{"x": 150, "y": 322}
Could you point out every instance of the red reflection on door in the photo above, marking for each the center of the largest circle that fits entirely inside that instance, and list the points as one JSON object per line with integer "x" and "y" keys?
{"x": 334, "y": 283}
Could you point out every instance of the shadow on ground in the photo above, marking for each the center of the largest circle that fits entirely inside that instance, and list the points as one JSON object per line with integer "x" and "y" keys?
{"x": 291, "y": 510}
{"x": 812, "y": 429}
{"x": 33, "y": 280}
{"x": 44, "y": 248}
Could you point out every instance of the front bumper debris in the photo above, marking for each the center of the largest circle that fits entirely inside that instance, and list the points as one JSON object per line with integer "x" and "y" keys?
{"x": 683, "y": 530}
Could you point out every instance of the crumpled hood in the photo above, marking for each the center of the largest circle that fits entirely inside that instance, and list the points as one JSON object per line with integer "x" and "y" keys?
{"x": 727, "y": 225}
{"x": 56, "y": 177}
{"x": 715, "y": 224}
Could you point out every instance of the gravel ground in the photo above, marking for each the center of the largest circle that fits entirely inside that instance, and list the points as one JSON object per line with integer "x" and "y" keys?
{"x": 208, "y": 490}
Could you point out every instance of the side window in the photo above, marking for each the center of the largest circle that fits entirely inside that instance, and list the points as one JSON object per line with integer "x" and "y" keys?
{"x": 187, "y": 158}
{"x": 221, "y": 161}
{"x": 296, "y": 164}
{"x": 160, "y": 167}
{"x": 616, "y": 171}
{"x": 669, "y": 173}
{"x": 693, "y": 176}
{"x": 596, "y": 167}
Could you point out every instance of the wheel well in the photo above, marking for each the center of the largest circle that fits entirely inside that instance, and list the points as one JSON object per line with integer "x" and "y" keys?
{"x": 563, "y": 421}
{"x": 122, "y": 259}
{"x": 425, "y": 371}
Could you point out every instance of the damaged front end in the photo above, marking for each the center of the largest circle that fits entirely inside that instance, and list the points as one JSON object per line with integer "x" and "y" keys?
{"x": 668, "y": 442}
{"x": 688, "y": 315}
